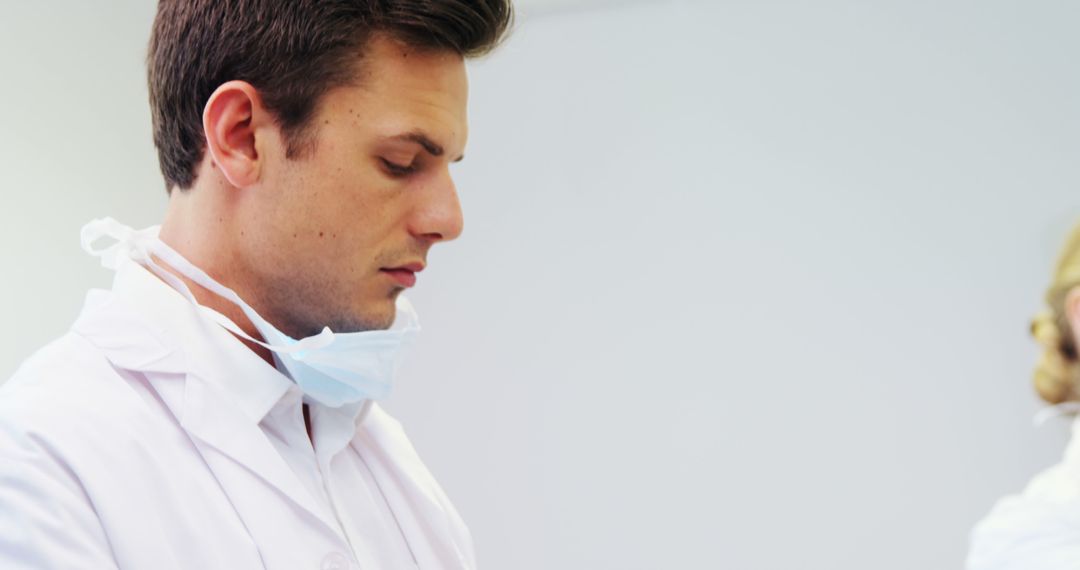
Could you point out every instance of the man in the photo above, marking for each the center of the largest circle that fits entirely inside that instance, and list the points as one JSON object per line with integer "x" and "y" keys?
{"x": 214, "y": 409}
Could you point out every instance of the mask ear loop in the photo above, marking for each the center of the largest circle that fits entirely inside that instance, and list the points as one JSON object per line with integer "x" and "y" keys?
{"x": 126, "y": 246}
{"x": 177, "y": 261}
{"x": 142, "y": 246}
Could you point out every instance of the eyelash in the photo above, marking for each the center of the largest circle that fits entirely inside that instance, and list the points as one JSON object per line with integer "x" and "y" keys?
{"x": 397, "y": 169}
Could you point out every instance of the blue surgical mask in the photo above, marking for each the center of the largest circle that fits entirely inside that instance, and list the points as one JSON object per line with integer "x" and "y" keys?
{"x": 331, "y": 368}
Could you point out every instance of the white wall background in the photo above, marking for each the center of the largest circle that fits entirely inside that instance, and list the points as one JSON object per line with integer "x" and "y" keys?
{"x": 743, "y": 284}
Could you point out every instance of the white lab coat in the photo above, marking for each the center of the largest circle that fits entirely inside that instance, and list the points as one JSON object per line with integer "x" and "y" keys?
{"x": 1038, "y": 529}
{"x": 119, "y": 450}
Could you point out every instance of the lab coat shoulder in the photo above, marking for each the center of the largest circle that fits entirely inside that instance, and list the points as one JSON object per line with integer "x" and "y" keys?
{"x": 95, "y": 469}
{"x": 59, "y": 417}
{"x": 69, "y": 397}
{"x": 1037, "y": 529}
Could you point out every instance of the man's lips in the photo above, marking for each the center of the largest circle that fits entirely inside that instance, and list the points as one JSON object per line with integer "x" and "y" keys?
{"x": 412, "y": 267}
{"x": 406, "y": 274}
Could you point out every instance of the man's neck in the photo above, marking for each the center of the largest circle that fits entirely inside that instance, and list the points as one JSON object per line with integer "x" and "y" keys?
{"x": 213, "y": 301}
{"x": 193, "y": 227}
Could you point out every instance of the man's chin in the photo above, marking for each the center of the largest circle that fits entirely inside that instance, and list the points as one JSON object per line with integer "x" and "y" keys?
{"x": 378, "y": 317}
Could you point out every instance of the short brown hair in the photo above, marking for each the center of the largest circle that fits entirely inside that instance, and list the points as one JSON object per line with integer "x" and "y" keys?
{"x": 292, "y": 52}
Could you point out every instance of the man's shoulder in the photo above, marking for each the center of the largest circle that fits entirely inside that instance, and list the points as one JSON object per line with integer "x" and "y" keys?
{"x": 68, "y": 388}
{"x": 64, "y": 367}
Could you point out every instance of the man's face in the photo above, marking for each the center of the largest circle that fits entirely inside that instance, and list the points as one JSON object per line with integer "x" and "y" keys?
{"x": 376, "y": 194}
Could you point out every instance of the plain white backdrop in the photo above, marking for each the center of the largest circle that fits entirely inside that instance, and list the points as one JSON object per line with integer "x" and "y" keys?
{"x": 742, "y": 285}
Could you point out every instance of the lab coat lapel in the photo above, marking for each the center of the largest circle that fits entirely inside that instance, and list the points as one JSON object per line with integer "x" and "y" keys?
{"x": 140, "y": 327}
{"x": 437, "y": 537}
{"x": 210, "y": 416}
{"x": 124, "y": 336}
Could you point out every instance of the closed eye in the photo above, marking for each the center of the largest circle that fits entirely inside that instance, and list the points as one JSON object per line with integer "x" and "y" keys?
{"x": 398, "y": 170}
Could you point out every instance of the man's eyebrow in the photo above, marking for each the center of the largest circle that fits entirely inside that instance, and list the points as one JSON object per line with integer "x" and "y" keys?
{"x": 418, "y": 137}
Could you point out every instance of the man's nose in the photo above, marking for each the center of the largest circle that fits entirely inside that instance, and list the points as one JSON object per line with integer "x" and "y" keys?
{"x": 438, "y": 215}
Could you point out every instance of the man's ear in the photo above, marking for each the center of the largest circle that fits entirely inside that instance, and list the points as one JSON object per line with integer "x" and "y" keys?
{"x": 231, "y": 120}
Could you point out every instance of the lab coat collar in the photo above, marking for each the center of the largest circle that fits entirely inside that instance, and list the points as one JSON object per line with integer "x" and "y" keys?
{"x": 145, "y": 325}
{"x": 219, "y": 391}
{"x": 151, "y": 327}
{"x": 334, "y": 428}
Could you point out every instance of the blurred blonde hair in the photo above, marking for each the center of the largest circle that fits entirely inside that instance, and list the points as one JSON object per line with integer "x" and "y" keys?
{"x": 1057, "y": 375}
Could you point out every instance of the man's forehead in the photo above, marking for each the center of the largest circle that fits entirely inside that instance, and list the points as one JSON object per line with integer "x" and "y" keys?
{"x": 410, "y": 97}
{"x": 386, "y": 63}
